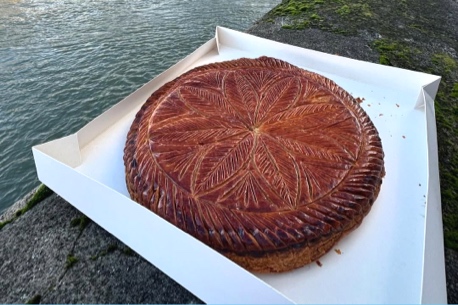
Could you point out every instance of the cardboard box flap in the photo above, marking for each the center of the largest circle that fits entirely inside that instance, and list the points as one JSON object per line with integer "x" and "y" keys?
{"x": 427, "y": 91}
{"x": 434, "y": 283}
{"x": 65, "y": 150}
{"x": 432, "y": 87}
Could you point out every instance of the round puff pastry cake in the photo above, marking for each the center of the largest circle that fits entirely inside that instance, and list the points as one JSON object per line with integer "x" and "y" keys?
{"x": 265, "y": 162}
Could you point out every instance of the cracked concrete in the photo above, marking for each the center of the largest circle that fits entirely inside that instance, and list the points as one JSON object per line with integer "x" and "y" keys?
{"x": 33, "y": 250}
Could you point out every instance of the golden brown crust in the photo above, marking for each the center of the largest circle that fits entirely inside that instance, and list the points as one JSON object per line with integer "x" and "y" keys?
{"x": 291, "y": 258}
{"x": 282, "y": 261}
{"x": 257, "y": 158}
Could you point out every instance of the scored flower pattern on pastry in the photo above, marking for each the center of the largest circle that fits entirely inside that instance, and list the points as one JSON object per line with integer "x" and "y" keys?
{"x": 248, "y": 140}
{"x": 255, "y": 155}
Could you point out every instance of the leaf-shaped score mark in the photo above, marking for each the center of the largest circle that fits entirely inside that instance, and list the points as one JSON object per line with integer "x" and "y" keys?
{"x": 318, "y": 131}
{"x": 245, "y": 193}
{"x": 192, "y": 130}
{"x": 278, "y": 97}
{"x": 319, "y": 178}
{"x": 222, "y": 161}
{"x": 242, "y": 95}
{"x": 278, "y": 169}
{"x": 178, "y": 161}
{"x": 308, "y": 116}
{"x": 211, "y": 103}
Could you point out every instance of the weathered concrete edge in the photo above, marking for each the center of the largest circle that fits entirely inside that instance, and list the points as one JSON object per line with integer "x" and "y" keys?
{"x": 21, "y": 206}
{"x": 10, "y": 213}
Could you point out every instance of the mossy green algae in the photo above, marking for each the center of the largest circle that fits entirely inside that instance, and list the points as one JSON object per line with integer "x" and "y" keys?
{"x": 42, "y": 193}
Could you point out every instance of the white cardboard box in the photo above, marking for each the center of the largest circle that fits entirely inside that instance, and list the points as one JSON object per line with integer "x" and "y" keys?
{"x": 395, "y": 256}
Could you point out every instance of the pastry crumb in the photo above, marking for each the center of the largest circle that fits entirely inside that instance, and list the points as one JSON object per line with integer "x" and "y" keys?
{"x": 319, "y": 263}
{"x": 338, "y": 251}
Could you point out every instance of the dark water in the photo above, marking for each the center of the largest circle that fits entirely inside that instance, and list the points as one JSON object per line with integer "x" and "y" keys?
{"x": 64, "y": 62}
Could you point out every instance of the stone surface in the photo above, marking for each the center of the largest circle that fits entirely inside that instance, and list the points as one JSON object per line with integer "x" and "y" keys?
{"x": 10, "y": 213}
{"x": 316, "y": 39}
{"x": 34, "y": 261}
{"x": 451, "y": 269}
{"x": 33, "y": 249}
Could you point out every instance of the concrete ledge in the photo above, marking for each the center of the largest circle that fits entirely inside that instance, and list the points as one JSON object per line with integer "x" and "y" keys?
{"x": 55, "y": 254}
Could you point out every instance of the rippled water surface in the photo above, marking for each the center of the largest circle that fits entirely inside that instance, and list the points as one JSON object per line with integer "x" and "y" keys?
{"x": 62, "y": 63}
